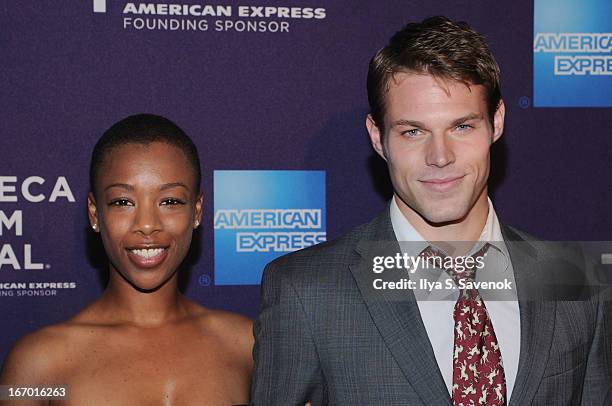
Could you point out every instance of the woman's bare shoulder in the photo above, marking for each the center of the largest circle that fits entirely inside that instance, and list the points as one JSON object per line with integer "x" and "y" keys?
{"x": 39, "y": 356}
{"x": 222, "y": 321}
{"x": 43, "y": 355}
{"x": 234, "y": 324}
{"x": 232, "y": 328}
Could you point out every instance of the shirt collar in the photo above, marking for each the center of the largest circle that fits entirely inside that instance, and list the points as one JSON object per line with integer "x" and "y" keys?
{"x": 404, "y": 231}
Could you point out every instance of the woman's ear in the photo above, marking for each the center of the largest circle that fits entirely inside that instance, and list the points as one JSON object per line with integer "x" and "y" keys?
{"x": 198, "y": 210}
{"x": 92, "y": 212}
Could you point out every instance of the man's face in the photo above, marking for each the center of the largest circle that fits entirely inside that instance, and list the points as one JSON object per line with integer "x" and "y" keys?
{"x": 436, "y": 145}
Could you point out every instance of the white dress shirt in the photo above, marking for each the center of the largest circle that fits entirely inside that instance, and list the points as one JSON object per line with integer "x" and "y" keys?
{"x": 436, "y": 307}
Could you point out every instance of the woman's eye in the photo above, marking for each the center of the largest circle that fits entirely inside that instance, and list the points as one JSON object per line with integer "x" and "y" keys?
{"x": 120, "y": 202}
{"x": 171, "y": 202}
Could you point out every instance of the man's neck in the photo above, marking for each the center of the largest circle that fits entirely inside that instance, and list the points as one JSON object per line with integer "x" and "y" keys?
{"x": 469, "y": 228}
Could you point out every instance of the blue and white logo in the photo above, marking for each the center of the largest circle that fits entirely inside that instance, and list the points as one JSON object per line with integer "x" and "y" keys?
{"x": 572, "y": 53}
{"x": 260, "y": 215}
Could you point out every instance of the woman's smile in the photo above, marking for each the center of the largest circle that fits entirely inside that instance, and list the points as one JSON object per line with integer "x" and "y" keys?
{"x": 147, "y": 257}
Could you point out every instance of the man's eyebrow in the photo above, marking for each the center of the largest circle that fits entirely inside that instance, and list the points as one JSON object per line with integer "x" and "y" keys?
{"x": 412, "y": 123}
{"x": 173, "y": 185}
{"x": 121, "y": 185}
{"x": 471, "y": 116}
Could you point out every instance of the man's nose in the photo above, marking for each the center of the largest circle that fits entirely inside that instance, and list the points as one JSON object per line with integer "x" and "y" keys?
{"x": 439, "y": 151}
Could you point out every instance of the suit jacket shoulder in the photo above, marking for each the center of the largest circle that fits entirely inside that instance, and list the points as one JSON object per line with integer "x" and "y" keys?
{"x": 339, "y": 252}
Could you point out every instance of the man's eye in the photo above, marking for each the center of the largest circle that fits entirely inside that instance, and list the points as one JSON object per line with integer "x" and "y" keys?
{"x": 171, "y": 202}
{"x": 464, "y": 127}
{"x": 412, "y": 132}
{"x": 120, "y": 202}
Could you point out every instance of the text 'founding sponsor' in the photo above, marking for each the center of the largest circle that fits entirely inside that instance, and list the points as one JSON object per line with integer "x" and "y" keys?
{"x": 220, "y": 18}
{"x": 272, "y": 219}
{"x": 19, "y": 289}
{"x": 579, "y": 53}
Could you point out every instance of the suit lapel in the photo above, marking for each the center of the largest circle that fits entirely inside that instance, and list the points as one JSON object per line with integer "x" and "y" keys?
{"x": 397, "y": 317}
{"x": 537, "y": 320}
{"x": 400, "y": 325}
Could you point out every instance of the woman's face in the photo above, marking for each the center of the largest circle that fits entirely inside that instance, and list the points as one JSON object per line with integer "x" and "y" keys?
{"x": 146, "y": 207}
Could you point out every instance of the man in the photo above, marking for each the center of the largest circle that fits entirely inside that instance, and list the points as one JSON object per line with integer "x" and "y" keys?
{"x": 330, "y": 333}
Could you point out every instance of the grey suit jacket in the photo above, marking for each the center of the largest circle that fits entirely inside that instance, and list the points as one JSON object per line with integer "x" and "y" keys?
{"x": 322, "y": 336}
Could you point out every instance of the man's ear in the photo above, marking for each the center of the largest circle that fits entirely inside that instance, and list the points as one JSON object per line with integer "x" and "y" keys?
{"x": 375, "y": 137}
{"x": 92, "y": 212}
{"x": 498, "y": 120}
{"x": 198, "y": 210}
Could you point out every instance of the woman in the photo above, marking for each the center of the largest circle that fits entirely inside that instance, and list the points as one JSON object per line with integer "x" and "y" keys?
{"x": 142, "y": 342}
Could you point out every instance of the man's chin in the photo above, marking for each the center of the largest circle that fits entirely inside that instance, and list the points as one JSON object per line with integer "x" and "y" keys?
{"x": 441, "y": 211}
{"x": 443, "y": 217}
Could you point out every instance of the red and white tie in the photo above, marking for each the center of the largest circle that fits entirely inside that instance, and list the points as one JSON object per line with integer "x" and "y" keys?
{"x": 478, "y": 371}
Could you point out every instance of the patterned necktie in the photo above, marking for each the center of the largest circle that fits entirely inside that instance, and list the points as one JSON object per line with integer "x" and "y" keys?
{"x": 478, "y": 371}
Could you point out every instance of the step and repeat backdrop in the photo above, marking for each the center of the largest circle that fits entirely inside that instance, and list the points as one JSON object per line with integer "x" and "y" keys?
{"x": 273, "y": 93}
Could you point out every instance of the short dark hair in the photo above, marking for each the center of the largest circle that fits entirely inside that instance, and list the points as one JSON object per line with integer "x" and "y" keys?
{"x": 439, "y": 47}
{"x": 143, "y": 129}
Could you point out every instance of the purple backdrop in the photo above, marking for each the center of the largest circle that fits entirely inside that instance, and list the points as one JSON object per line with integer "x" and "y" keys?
{"x": 255, "y": 100}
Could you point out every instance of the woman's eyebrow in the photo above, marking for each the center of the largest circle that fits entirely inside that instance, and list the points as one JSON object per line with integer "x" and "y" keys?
{"x": 173, "y": 185}
{"x": 120, "y": 185}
